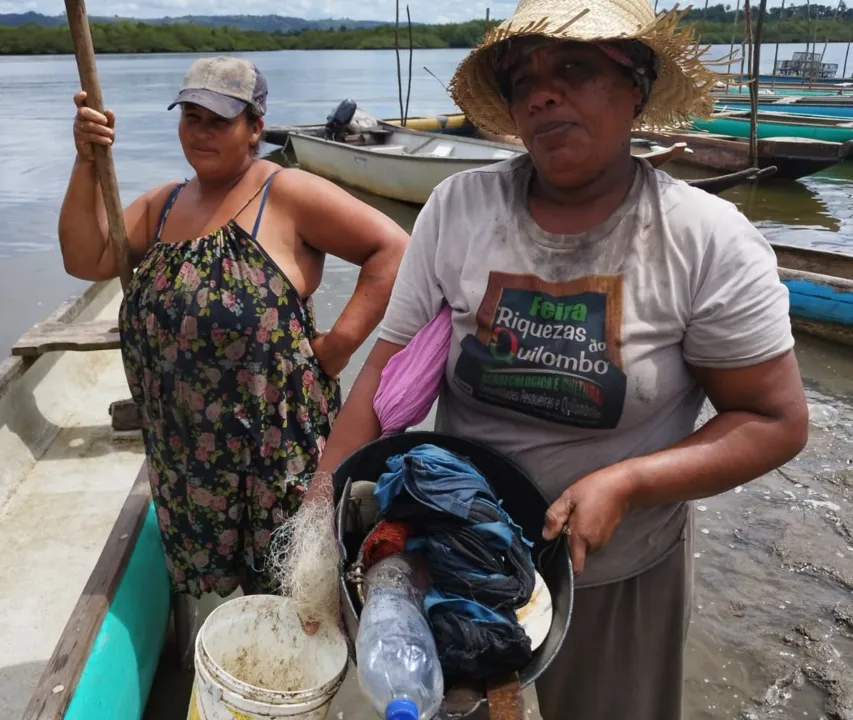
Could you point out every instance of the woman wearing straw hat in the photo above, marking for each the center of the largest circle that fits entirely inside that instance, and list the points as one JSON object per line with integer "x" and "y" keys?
{"x": 596, "y": 302}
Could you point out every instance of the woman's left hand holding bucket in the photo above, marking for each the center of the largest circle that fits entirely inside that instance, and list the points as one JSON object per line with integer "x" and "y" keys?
{"x": 590, "y": 510}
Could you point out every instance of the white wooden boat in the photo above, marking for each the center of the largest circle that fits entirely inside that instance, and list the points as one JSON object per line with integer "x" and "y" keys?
{"x": 83, "y": 585}
{"x": 393, "y": 162}
{"x": 406, "y": 165}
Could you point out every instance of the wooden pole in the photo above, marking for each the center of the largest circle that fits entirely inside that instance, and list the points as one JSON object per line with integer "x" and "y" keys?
{"x": 776, "y": 56}
{"x": 747, "y": 13}
{"x": 411, "y": 54}
{"x": 84, "y": 51}
{"x": 743, "y": 46}
{"x": 808, "y": 65}
{"x": 826, "y": 42}
{"x": 814, "y": 43}
{"x": 734, "y": 32}
{"x": 756, "y": 72}
{"x": 399, "y": 70}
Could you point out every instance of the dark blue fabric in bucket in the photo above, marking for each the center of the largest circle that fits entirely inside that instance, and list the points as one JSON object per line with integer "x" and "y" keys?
{"x": 479, "y": 560}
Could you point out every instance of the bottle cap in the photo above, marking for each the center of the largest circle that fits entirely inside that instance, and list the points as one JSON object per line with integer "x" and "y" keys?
{"x": 402, "y": 709}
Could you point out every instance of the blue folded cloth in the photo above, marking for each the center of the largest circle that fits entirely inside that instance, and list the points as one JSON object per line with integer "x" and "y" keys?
{"x": 478, "y": 558}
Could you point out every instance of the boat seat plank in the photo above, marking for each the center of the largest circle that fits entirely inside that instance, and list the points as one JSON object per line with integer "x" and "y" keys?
{"x": 388, "y": 149}
{"x": 55, "y": 336}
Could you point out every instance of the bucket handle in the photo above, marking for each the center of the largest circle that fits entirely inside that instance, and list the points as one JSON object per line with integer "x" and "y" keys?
{"x": 549, "y": 552}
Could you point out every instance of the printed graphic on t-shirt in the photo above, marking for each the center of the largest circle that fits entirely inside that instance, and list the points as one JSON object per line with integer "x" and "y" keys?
{"x": 548, "y": 350}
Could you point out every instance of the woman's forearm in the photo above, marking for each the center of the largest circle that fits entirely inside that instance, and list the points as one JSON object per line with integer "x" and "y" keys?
{"x": 733, "y": 448}
{"x": 83, "y": 232}
{"x": 356, "y": 424}
{"x": 365, "y": 309}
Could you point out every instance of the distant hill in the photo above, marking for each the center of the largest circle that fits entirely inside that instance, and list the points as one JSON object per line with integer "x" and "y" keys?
{"x": 258, "y": 23}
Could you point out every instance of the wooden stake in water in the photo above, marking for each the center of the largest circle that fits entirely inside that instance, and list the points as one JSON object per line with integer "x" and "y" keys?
{"x": 734, "y": 32}
{"x": 826, "y": 42}
{"x": 756, "y": 72}
{"x": 743, "y": 46}
{"x": 84, "y": 51}
{"x": 776, "y": 56}
{"x": 808, "y": 63}
{"x": 399, "y": 71}
{"x": 411, "y": 56}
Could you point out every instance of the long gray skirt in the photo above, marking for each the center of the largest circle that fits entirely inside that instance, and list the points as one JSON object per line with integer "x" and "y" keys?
{"x": 624, "y": 653}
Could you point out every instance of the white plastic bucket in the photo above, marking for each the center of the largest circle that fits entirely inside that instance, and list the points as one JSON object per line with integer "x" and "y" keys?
{"x": 253, "y": 660}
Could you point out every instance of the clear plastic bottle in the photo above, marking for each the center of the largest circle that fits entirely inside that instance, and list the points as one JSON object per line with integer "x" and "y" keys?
{"x": 398, "y": 667}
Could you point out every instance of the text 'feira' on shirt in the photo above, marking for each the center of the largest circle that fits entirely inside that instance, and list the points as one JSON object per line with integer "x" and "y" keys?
{"x": 570, "y": 352}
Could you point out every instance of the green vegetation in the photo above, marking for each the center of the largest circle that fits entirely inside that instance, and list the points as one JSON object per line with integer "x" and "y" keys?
{"x": 795, "y": 24}
{"x": 139, "y": 37}
{"x": 715, "y": 25}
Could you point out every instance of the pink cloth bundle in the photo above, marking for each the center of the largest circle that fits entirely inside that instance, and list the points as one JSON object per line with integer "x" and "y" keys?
{"x": 412, "y": 379}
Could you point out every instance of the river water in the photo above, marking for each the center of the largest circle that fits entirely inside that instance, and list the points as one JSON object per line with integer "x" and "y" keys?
{"x": 772, "y": 628}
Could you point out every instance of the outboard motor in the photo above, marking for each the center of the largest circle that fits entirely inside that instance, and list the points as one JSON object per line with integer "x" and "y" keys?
{"x": 338, "y": 122}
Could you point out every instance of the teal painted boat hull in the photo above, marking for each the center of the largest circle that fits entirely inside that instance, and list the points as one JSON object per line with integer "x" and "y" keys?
{"x": 834, "y": 111}
{"x": 118, "y": 675}
{"x": 739, "y": 127}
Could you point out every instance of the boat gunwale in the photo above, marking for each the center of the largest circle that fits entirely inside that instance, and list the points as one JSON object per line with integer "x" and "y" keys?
{"x": 14, "y": 366}
{"x": 73, "y": 649}
{"x": 805, "y": 258}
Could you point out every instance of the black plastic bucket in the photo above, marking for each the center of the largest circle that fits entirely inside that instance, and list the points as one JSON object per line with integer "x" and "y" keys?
{"x": 521, "y": 499}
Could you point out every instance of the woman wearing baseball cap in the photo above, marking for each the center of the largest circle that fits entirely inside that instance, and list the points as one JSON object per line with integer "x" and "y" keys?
{"x": 237, "y": 388}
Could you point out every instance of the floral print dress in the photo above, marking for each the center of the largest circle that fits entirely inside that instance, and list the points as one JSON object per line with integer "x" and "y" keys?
{"x": 235, "y": 408}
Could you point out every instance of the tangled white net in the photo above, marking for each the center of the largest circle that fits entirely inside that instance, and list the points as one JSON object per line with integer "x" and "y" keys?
{"x": 305, "y": 558}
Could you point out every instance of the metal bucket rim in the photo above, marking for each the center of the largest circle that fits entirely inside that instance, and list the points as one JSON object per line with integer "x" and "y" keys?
{"x": 342, "y": 487}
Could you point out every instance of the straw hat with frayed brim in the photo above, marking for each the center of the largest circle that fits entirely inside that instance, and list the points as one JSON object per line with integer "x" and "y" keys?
{"x": 683, "y": 86}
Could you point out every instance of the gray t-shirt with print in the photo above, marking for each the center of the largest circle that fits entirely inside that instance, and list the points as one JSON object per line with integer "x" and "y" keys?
{"x": 569, "y": 352}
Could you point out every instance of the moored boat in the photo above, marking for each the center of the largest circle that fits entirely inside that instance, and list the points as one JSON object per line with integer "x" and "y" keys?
{"x": 820, "y": 288}
{"x": 810, "y": 107}
{"x": 450, "y": 124}
{"x": 793, "y": 157}
{"x": 393, "y": 162}
{"x": 777, "y": 124}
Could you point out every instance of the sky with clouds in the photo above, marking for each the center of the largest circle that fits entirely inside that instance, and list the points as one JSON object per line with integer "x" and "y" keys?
{"x": 422, "y": 10}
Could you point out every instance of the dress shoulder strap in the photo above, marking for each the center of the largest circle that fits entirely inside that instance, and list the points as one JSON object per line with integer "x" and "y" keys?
{"x": 170, "y": 201}
{"x": 262, "y": 189}
{"x": 267, "y": 186}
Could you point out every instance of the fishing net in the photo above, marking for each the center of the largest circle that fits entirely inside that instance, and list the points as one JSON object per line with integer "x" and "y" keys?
{"x": 304, "y": 558}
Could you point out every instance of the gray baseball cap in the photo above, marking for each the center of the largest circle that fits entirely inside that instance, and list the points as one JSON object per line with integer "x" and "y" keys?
{"x": 225, "y": 86}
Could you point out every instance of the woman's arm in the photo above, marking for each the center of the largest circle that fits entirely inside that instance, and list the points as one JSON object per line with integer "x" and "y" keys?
{"x": 416, "y": 298}
{"x": 332, "y": 221}
{"x": 738, "y": 347}
{"x": 356, "y": 424}
{"x": 83, "y": 230}
{"x": 762, "y": 423}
